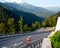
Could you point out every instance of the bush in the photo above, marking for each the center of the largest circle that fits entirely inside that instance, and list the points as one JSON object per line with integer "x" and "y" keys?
{"x": 55, "y": 40}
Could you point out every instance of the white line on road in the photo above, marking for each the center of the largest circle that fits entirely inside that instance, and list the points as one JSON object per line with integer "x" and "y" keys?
{"x": 4, "y": 47}
{"x": 16, "y": 44}
{"x": 23, "y": 45}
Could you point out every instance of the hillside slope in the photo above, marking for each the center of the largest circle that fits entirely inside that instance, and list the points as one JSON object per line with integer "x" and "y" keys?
{"x": 52, "y": 20}
{"x": 9, "y": 12}
{"x": 39, "y": 11}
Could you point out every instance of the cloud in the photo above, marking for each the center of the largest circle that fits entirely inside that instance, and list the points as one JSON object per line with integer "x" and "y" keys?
{"x": 17, "y": 1}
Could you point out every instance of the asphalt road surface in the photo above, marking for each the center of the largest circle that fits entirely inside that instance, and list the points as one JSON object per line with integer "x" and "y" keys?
{"x": 21, "y": 40}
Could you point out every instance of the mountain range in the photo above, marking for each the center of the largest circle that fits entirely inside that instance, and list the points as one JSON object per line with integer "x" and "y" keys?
{"x": 39, "y": 11}
{"x": 29, "y": 12}
{"x": 54, "y": 9}
{"x": 7, "y": 12}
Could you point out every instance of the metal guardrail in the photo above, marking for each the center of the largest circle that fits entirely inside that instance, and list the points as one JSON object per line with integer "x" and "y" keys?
{"x": 35, "y": 44}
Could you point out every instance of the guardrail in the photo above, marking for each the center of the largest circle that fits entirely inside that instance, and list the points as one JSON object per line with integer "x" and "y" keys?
{"x": 34, "y": 44}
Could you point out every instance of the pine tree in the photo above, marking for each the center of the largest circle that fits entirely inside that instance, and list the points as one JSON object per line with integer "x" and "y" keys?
{"x": 11, "y": 26}
{"x": 37, "y": 24}
{"x": 21, "y": 24}
{"x": 2, "y": 28}
{"x": 33, "y": 26}
{"x": 26, "y": 28}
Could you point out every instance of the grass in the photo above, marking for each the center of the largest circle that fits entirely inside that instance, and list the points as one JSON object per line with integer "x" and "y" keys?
{"x": 55, "y": 40}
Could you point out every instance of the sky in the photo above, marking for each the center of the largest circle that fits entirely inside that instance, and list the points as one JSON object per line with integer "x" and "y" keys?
{"x": 17, "y": 1}
{"x": 39, "y": 3}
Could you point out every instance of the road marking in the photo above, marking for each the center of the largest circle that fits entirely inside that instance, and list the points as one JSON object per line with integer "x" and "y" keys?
{"x": 5, "y": 47}
{"x": 23, "y": 45}
{"x": 16, "y": 44}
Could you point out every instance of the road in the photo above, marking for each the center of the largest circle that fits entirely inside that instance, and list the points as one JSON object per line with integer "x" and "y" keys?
{"x": 21, "y": 40}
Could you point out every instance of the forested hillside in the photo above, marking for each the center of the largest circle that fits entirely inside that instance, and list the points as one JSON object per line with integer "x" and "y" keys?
{"x": 51, "y": 21}
{"x": 12, "y": 21}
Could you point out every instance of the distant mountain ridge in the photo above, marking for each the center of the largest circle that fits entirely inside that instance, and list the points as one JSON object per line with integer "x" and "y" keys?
{"x": 10, "y": 12}
{"x": 39, "y": 11}
{"x": 54, "y": 9}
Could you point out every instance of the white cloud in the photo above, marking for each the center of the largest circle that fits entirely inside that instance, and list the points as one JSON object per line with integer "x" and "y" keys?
{"x": 17, "y": 1}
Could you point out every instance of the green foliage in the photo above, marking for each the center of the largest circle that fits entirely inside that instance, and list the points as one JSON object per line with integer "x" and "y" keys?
{"x": 44, "y": 24}
{"x": 11, "y": 30}
{"x": 11, "y": 27}
{"x": 13, "y": 22}
{"x": 37, "y": 24}
{"x": 26, "y": 28}
{"x": 10, "y": 21}
{"x": 51, "y": 21}
{"x": 33, "y": 26}
{"x": 30, "y": 29}
{"x": 2, "y": 28}
{"x": 21, "y": 24}
{"x": 55, "y": 40}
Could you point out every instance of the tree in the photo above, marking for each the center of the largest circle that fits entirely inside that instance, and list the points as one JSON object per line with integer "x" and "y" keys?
{"x": 43, "y": 24}
{"x": 2, "y": 28}
{"x": 33, "y": 26}
{"x": 54, "y": 20}
{"x": 30, "y": 29}
{"x": 11, "y": 26}
{"x": 21, "y": 24}
{"x": 10, "y": 21}
{"x": 37, "y": 24}
{"x": 26, "y": 28}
